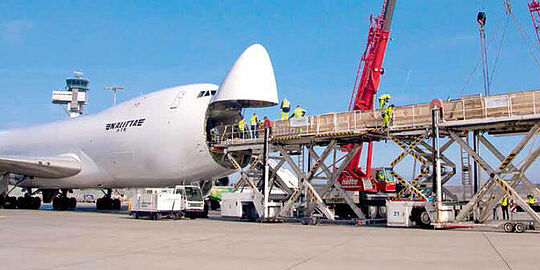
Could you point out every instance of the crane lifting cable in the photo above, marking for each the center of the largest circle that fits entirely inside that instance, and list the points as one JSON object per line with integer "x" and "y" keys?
{"x": 501, "y": 42}
{"x": 492, "y": 38}
{"x": 481, "y": 20}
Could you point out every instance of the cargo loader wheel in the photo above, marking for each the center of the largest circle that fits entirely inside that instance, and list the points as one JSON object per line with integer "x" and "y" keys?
{"x": 519, "y": 227}
{"x": 508, "y": 227}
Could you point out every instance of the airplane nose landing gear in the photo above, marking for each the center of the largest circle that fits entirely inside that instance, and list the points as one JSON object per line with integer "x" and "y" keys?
{"x": 107, "y": 202}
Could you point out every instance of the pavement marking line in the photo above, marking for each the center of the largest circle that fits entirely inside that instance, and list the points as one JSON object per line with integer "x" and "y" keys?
{"x": 314, "y": 256}
{"x": 496, "y": 250}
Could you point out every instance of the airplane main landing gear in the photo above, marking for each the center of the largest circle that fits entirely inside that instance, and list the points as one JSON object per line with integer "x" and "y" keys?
{"x": 63, "y": 202}
{"x": 108, "y": 203}
{"x": 8, "y": 202}
{"x": 25, "y": 202}
{"x": 28, "y": 202}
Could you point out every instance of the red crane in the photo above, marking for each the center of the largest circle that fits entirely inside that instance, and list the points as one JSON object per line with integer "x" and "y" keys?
{"x": 534, "y": 9}
{"x": 364, "y": 90}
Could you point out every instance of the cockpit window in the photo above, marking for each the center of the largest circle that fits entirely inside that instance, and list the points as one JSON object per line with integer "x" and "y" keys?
{"x": 206, "y": 93}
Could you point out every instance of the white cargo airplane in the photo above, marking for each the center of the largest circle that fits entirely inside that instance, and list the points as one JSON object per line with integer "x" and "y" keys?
{"x": 156, "y": 140}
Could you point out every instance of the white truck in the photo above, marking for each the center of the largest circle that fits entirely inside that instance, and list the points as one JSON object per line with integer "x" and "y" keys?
{"x": 168, "y": 202}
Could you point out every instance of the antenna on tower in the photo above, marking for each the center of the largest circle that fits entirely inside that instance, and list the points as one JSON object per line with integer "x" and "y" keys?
{"x": 114, "y": 89}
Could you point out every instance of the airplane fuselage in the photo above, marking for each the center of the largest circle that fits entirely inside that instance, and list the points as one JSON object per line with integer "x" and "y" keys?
{"x": 154, "y": 140}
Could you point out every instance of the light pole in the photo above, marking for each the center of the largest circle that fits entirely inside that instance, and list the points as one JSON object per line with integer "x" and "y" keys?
{"x": 114, "y": 89}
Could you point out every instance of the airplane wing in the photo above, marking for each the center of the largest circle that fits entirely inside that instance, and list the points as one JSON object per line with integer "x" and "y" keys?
{"x": 42, "y": 167}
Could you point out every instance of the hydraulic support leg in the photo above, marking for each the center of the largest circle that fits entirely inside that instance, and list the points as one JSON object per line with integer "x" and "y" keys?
{"x": 305, "y": 186}
{"x": 332, "y": 177}
{"x": 517, "y": 177}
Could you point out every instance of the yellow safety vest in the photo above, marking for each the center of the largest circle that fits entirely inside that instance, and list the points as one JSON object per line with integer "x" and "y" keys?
{"x": 381, "y": 176}
{"x": 532, "y": 200}
{"x": 504, "y": 201}
{"x": 285, "y": 104}
{"x": 299, "y": 112}
{"x": 253, "y": 120}
{"x": 384, "y": 96}
{"x": 241, "y": 124}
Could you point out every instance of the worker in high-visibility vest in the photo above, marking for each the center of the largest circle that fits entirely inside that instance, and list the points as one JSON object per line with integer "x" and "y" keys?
{"x": 298, "y": 112}
{"x": 241, "y": 127}
{"x": 531, "y": 199}
{"x": 381, "y": 176}
{"x": 285, "y": 109}
{"x": 387, "y": 115}
{"x": 383, "y": 100}
{"x": 254, "y": 123}
{"x": 504, "y": 207}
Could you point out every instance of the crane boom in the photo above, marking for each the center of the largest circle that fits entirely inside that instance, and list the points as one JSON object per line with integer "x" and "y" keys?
{"x": 366, "y": 86}
{"x": 371, "y": 62}
{"x": 534, "y": 10}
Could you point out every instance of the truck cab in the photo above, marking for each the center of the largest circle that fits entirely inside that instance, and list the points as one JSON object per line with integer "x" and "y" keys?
{"x": 193, "y": 203}
{"x": 384, "y": 180}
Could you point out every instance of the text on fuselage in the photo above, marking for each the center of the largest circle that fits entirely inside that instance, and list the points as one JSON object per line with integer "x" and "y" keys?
{"x": 124, "y": 125}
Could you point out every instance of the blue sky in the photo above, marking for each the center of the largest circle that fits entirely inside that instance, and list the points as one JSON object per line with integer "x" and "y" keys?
{"x": 315, "y": 47}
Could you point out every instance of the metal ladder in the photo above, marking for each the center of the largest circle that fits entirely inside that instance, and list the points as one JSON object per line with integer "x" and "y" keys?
{"x": 301, "y": 160}
{"x": 466, "y": 172}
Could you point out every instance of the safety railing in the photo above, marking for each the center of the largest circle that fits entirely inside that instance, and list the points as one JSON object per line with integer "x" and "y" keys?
{"x": 403, "y": 117}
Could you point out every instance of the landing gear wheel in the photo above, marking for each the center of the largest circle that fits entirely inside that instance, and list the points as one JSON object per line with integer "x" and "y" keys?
{"x": 508, "y": 227}
{"x": 116, "y": 204}
{"x": 22, "y": 203}
{"x": 10, "y": 203}
{"x": 519, "y": 227}
{"x": 107, "y": 203}
{"x": 99, "y": 204}
{"x": 72, "y": 203}
{"x": 36, "y": 202}
{"x": 58, "y": 203}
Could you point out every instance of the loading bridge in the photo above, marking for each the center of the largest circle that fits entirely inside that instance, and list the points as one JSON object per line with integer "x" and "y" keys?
{"x": 511, "y": 114}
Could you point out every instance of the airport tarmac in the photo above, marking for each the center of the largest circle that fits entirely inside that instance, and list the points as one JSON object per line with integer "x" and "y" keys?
{"x": 44, "y": 239}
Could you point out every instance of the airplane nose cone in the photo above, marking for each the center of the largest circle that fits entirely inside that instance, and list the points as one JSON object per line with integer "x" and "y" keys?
{"x": 250, "y": 81}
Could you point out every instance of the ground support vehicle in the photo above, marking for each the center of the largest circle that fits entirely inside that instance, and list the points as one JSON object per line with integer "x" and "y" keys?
{"x": 242, "y": 205}
{"x": 410, "y": 213}
{"x": 168, "y": 202}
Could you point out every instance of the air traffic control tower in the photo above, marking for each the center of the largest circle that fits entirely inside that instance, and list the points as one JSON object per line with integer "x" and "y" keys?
{"x": 74, "y": 97}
